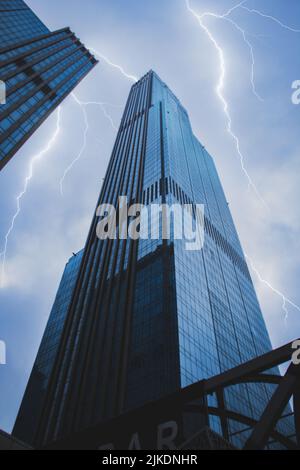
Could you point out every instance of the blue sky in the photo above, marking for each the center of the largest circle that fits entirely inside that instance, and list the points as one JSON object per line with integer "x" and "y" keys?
{"x": 160, "y": 35}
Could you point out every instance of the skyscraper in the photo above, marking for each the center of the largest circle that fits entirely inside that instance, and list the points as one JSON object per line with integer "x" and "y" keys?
{"x": 39, "y": 69}
{"x": 33, "y": 399}
{"x": 148, "y": 317}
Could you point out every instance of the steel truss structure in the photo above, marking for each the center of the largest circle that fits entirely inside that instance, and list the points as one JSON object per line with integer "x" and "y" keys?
{"x": 193, "y": 400}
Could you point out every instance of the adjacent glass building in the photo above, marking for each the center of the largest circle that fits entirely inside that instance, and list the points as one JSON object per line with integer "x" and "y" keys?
{"x": 33, "y": 400}
{"x": 39, "y": 69}
{"x": 148, "y": 317}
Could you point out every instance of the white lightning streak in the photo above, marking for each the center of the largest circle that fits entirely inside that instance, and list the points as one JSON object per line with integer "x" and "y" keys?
{"x": 219, "y": 91}
{"x": 83, "y": 105}
{"x": 51, "y": 143}
{"x": 242, "y": 31}
{"x": 112, "y": 64}
{"x": 103, "y": 107}
{"x": 234, "y": 8}
{"x": 285, "y": 300}
{"x": 272, "y": 18}
{"x": 27, "y": 180}
{"x": 83, "y": 147}
{"x": 101, "y": 104}
{"x": 247, "y": 42}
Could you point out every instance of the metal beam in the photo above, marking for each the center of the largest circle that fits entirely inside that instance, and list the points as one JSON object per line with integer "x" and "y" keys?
{"x": 254, "y": 366}
{"x": 249, "y": 422}
{"x": 260, "y": 378}
{"x": 296, "y": 403}
{"x": 223, "y": 417}
{"x": 235, "y": 375}
{"x": 252, "y": 371}
{"x": 273, "y": 411}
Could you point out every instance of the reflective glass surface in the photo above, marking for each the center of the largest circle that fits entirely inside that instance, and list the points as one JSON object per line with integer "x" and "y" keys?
{"x": 33, "y": 400}
{"x": 39, "y": 69}
{"x": 150, "y": 317}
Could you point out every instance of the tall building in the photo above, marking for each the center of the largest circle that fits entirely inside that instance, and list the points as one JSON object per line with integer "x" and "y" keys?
{"x": 39, "y": 69}
{"x": 148, "y": 317}
{"x": 34, "y": 396}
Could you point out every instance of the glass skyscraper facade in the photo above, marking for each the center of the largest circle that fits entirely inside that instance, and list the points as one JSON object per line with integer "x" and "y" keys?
{"x": 148, "y": 317}
{"x": 39, "y": 69}
{"x": 33, "y": 399}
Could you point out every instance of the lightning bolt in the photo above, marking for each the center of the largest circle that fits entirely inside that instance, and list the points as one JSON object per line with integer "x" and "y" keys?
{"x": 102, "y": 105}
{"x": 219, "y": 90}
{"x": 221, "y": 82}
{"x": 272, "y": 18}
{"x": 246, "y": 41}
{"x": 112, "y": 64}
{"x": 50, "y": 144}
{"x": 285, "y": 300}
{"x": 27, "y": 180}
{"x": 83, "y": 147}
{"x": 106, "y": 114}
{"x": 83, "y": 105}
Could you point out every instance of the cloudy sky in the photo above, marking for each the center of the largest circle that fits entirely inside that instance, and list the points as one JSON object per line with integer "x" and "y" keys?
{"x": 160, "y": 35}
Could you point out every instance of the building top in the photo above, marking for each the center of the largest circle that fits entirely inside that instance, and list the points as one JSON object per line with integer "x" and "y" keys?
{"x": 19, "y": 22}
